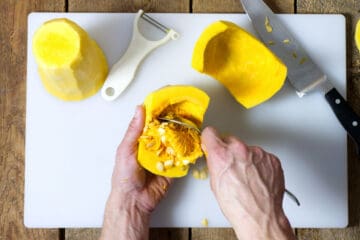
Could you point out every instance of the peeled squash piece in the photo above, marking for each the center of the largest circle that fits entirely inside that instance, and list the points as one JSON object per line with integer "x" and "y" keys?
{"x": 71, "y": 65}
{"x": 244, "y": 65}
{"x": 166, "y": 148}
{"x": 357, "y": 35}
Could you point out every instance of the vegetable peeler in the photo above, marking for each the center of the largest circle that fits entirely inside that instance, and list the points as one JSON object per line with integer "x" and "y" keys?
{"x": 124, "y": 70}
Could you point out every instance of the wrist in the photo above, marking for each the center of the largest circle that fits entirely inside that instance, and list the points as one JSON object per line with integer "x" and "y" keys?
{"x": 274, "y": 226}
{"x": 124, "y": 220}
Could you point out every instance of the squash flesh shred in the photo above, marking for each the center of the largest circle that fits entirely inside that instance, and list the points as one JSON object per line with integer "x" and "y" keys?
{"x": 167, "y": 148}
{"x": 245, "y": 66}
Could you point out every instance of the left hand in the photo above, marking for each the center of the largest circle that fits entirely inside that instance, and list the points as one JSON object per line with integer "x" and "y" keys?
{"x": 134, "y": 192}
{"x": 135, "y": 186}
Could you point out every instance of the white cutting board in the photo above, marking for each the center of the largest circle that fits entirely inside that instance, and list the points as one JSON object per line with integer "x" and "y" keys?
{"x": 70, "y": 146}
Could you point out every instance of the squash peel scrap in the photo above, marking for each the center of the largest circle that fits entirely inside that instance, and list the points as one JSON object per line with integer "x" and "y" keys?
{"x": 71, "y": 65}
{"x": 244, "y": 65}
{"x": 166, "y": 148}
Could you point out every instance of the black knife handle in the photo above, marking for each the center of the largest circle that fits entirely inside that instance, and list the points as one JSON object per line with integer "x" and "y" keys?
{"x": 345, "y": 114}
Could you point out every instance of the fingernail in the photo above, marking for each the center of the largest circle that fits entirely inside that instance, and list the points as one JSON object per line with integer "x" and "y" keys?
{"x": 203, "y": 147}
{"x": 214, "y": 132}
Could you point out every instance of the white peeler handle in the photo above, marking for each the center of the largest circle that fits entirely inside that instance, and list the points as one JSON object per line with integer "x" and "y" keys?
{"x": 123, "y": 71}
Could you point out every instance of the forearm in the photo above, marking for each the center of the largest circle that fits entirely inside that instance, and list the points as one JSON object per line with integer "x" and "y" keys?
{"x": 124, "y": 222}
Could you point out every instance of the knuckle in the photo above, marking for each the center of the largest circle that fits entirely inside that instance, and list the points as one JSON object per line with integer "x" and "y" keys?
{"x": 236, "y": 144}
{"x": 219, "y": 151}
{"x": 257, "y": 155}
{"x": 276, "y": 162}
{"x": 258, "y": 151}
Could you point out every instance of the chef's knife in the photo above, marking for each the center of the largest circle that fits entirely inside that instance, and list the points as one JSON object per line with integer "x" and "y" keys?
{"x": 303, "y": 73}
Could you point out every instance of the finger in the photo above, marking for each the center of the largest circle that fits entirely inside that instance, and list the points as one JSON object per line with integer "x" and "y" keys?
{"x": 214, "y": 147}
{"x": 210, "y": 138}
{"x": 163, "y": 183}
{"x": 129, "y": 143}
{"x": 127, "y": 168}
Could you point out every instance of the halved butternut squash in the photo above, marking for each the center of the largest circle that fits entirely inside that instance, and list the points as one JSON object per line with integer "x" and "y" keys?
{"x": 244, "y": 65}
{"x": 166, "y": 148}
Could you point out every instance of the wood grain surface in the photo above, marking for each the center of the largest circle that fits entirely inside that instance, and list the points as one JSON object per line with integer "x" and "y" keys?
{"x": 13, "y": 20}
{"x": 13, "y": 39}
{"x": 128, "y": 6}
{"x": 229, "y": 6}
{"x": 213, "y": 234}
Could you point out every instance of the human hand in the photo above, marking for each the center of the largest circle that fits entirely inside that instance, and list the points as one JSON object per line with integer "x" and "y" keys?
{"x": 134, "y": 192}
{"x": 136, "y": 185}
{"x": 248, "y": 184}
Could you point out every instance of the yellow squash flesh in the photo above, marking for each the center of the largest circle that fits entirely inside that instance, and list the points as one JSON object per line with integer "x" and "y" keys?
{"x": 357, "y": 35}
{"x": 167, "y": 149}
{"x": 244, "y": 65}
{"x": 71, "y": 65}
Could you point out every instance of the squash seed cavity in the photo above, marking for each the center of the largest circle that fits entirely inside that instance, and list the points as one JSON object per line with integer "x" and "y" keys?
{"x": 173, "y": 143}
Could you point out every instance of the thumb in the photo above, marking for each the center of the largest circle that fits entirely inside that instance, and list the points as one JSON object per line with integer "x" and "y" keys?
{"x": 213, "y": 146}
{"x": 134, "y": 130}
{"x": 210, "y": 138}
{"x": 129, "y": 143}
{"x": 127, "y": 168}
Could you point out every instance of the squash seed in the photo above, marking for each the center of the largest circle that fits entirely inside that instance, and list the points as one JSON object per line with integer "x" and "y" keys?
{"x": 170, "y": 151}
{"x": 205, "y": 222}
{"x": 160, "y": 166}
{"x": 169, "y": 163}
{"x": 196, "y": 174}
{"x": 186, "y": 162}
{"x": 203, "y": 175}
{"x": 161, "y": 131}
{"x": 286, "y": 41}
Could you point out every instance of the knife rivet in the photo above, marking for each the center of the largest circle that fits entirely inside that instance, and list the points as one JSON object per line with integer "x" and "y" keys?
{"x": 354, "y": 123}
{"x": 337, "y": 101}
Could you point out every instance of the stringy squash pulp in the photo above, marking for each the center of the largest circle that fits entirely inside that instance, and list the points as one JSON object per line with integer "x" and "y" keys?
{"x": 166, "y": 148}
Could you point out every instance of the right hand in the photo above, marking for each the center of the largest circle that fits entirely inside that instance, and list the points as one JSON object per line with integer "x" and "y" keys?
{"x": 248, "y": 184}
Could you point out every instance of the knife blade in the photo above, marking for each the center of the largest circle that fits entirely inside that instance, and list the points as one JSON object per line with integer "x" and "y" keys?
{"x": 303, "y": 73}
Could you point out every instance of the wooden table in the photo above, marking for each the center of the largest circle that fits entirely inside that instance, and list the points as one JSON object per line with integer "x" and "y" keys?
{"x": 13, "y": 37}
